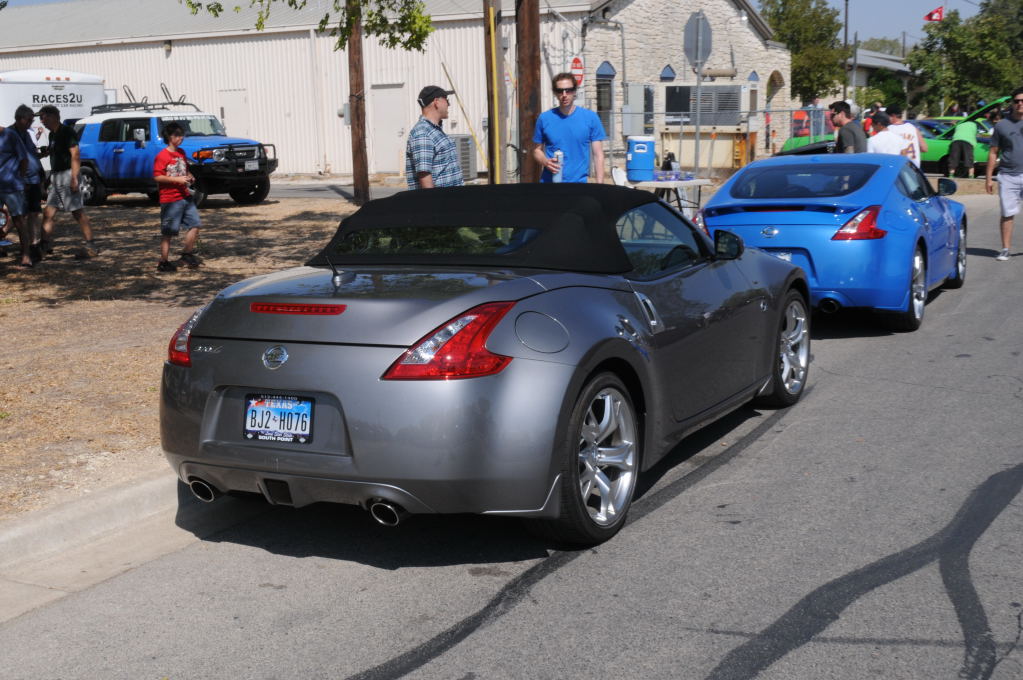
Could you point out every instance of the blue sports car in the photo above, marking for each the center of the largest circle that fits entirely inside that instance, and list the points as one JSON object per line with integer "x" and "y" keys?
{"x": 869, "y": 230}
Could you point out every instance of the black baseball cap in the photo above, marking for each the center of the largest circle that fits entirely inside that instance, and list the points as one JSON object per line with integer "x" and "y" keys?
{"x": 431, "y": 92}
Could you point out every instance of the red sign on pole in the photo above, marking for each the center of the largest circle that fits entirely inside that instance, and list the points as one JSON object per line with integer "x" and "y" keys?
{"x": 578, "y": 70}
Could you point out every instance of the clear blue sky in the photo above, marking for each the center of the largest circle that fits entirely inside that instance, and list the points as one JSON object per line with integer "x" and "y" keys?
{"x": 888, "y": 18}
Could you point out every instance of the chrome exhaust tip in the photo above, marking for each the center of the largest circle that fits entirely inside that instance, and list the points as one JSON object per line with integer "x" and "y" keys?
{"x": 204, "y": 491}
{"x": 387, "y": 513}
{"x": 829, "y": 306}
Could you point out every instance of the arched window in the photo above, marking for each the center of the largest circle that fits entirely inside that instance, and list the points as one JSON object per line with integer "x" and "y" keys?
{"x": 605, "y": 94}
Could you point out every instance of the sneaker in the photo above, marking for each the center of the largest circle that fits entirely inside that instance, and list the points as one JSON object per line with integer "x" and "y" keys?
{"x": 190, "y": 260}
{"x": 1003, "y": 255}
{"x": 35, "y": 252}
{"x": 166, "y": 266}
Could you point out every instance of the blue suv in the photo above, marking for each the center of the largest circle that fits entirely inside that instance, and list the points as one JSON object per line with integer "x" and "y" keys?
{"x": 118, "y": 144}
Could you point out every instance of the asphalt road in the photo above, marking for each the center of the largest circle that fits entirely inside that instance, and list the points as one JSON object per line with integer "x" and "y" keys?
{"x": 874, "y": 530}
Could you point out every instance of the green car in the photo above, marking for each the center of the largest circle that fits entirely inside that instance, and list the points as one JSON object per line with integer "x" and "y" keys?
{"x": 935, "y": 159}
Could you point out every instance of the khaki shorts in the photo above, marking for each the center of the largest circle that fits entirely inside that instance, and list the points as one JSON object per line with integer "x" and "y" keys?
{"x": 61, "y": 197}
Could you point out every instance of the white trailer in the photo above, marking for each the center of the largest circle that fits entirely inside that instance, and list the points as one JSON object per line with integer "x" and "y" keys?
{"x": 73, "y": 93}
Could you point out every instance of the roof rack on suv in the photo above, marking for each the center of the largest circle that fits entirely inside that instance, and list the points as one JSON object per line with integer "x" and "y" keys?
{"x": 141, "y": 106}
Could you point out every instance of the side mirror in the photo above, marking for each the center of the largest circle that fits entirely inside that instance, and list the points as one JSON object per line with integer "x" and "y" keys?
{"x": 139, "y": 135}
{"x": 727, "y": 246}
{"x": 946, "y": 187}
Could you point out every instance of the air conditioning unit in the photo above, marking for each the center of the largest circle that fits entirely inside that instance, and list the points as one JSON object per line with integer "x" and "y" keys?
{"x": 466, "y": 155}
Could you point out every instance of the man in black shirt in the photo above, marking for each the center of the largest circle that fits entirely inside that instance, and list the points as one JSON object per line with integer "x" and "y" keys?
{"x": 65, "y": 173}
{"x": 851, "y": 138}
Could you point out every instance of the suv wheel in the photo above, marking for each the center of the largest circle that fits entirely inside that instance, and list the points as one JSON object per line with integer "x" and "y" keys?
{"x": 255, "y": 193}
{"x": 91, "y": 187}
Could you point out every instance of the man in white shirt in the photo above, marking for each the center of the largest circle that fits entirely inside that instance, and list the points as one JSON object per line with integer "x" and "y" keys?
{"x": 907, "y": 131}
{"x": 885, "y": 141}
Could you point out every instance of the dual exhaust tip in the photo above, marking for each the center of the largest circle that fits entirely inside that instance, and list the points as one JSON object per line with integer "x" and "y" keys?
{"x": 829, "y": 305}
{"x": 384, "y": 512}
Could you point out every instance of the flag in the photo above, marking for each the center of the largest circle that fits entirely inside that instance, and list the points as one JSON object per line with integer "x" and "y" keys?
{"x": 935, "y": 14}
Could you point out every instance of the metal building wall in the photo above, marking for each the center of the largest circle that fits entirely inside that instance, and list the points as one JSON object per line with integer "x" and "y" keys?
{"x": 296, "y": 83}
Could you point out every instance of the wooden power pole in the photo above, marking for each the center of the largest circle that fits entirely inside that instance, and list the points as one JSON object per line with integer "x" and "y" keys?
{"x": 496, "y": 105}
{"x": 527, "y": 37}
{"x": 357, "y": 107}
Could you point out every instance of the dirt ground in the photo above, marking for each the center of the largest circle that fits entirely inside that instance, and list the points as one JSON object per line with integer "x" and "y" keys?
{"x": 84, "y": 340}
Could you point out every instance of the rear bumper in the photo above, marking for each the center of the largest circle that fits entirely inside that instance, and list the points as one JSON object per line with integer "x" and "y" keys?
{"x": 485, "y": 445}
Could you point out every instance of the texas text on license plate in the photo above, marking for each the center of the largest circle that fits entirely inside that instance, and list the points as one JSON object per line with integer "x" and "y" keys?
{"x": 278, "y": 418}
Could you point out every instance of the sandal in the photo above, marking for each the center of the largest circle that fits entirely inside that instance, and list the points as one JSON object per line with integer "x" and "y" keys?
{"x": 25, "y": 265}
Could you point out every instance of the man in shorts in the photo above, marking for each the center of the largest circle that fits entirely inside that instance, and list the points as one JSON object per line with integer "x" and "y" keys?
{"x": 177, "y": 209}
{"x": 13, "y": 163}
{"x": 23, "y": 117}
{"x": 1007, "y": 149}
{"x": 65, "y": 175}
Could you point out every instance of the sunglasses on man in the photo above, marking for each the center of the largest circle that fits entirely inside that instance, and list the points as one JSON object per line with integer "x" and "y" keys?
{"x": 564, "y": 90}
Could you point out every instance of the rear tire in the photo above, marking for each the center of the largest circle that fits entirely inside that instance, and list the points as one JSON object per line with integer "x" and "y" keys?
{"x": 913, "y": 316}
{"x": 958, "y": 276}
{"x": 91, "y": 187}
{"x": 792, "y": 354}
{"x": 600, "y": 465}
{"x": 255, "y": 193}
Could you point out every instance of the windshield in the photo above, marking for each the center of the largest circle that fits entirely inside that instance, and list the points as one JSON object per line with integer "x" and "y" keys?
{"x": 434, "y": 241}
{"x": 802, "y": 181}
{"x": 201, "y": 125}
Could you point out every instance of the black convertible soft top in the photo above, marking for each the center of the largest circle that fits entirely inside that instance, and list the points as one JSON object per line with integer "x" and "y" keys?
{"x": 572, "y": 226}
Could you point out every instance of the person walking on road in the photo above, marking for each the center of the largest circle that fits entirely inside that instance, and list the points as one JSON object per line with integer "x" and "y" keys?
{"x": 23, "y": 117}
{"x": 1006, "y": 151}
{"x": 65, "y": 175}
{"x": 13, "y": 165}
{"x": 573, "y": 130}
{"x": 851, "y": 138}
{"x": 907, "y": 131}
{"x": 884, "y": 140}
{"x": 177, "y": 208}
{"x": 431, "y": 159}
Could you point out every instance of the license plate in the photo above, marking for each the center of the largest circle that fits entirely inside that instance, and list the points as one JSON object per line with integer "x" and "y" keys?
{"x": 278, "y": 418}
{"x": 782, "y": 255}
{"x": 251, "y": 165}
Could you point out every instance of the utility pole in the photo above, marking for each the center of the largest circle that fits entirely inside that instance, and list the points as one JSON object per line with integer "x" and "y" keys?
{"x": 357, "y": 107}
{"x": 527, "y": 61}
{"x": 496, "y": 133}
{"x": 845, "y": 47}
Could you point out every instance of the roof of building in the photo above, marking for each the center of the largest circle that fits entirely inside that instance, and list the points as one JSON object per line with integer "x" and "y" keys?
{"x": 96, "y": 22}
{"x": 871, "y": 59}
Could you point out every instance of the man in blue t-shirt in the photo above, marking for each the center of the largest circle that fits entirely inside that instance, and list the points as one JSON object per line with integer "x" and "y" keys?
{"x": 575, "y": 131}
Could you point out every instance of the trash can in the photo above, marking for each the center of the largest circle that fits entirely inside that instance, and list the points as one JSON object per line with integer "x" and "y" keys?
{"x": 639, "y": 159}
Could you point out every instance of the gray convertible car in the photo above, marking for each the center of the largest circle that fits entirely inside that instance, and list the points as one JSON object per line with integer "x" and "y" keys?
{"x": 523, "y": 350}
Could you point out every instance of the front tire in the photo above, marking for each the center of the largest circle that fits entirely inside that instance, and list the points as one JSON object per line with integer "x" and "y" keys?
{"x": 958, "y": 276}
{"x": 913, "y": 316}
{"x": 91, "y": 187}
{"x": 792, "y": 352}
{"x": 600, "y": 464}
{"x": 255, "y": 193}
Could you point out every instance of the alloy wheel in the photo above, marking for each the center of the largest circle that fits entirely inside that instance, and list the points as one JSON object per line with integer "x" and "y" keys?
{"x": 607, "y": 457}
{"x": 794, "y": 347}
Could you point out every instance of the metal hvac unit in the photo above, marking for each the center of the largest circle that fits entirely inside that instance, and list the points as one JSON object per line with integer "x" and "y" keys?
{"x": 466, "y": 155}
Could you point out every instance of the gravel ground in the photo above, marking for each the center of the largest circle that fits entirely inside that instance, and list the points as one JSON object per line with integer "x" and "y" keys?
{"x": 84, "y": 340}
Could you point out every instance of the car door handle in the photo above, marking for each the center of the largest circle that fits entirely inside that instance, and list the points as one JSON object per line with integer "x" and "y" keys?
{"x": 652, "y": 318}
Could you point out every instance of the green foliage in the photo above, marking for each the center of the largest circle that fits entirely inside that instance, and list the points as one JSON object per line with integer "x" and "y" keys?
{"x": 396, "y": 23}
{"x": 884, "y": 45}
{"x": 809, "y": 28}
{"x": 964, "y": 61}
{"x": 888, "y": 88}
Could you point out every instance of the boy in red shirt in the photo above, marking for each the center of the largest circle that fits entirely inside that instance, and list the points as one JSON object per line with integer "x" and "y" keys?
{"x": 170, "y": 170}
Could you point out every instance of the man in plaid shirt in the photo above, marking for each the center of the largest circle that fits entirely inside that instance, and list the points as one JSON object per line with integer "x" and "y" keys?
{"x": 430, "y": 156}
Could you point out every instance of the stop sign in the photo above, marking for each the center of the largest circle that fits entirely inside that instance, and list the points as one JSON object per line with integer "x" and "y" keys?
{"x": 578, "y": 70}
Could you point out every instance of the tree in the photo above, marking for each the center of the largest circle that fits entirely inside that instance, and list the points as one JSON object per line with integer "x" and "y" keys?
{"x": 888, "y": 86}
{"x": 963, "y": 62}
{"x": 809, "y": 28}
{"x": 884, "y": 45}
{"x": 396, "y": 23}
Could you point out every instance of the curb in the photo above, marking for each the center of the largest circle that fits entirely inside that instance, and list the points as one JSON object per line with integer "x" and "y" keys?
{"x": 84, "y": 519}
